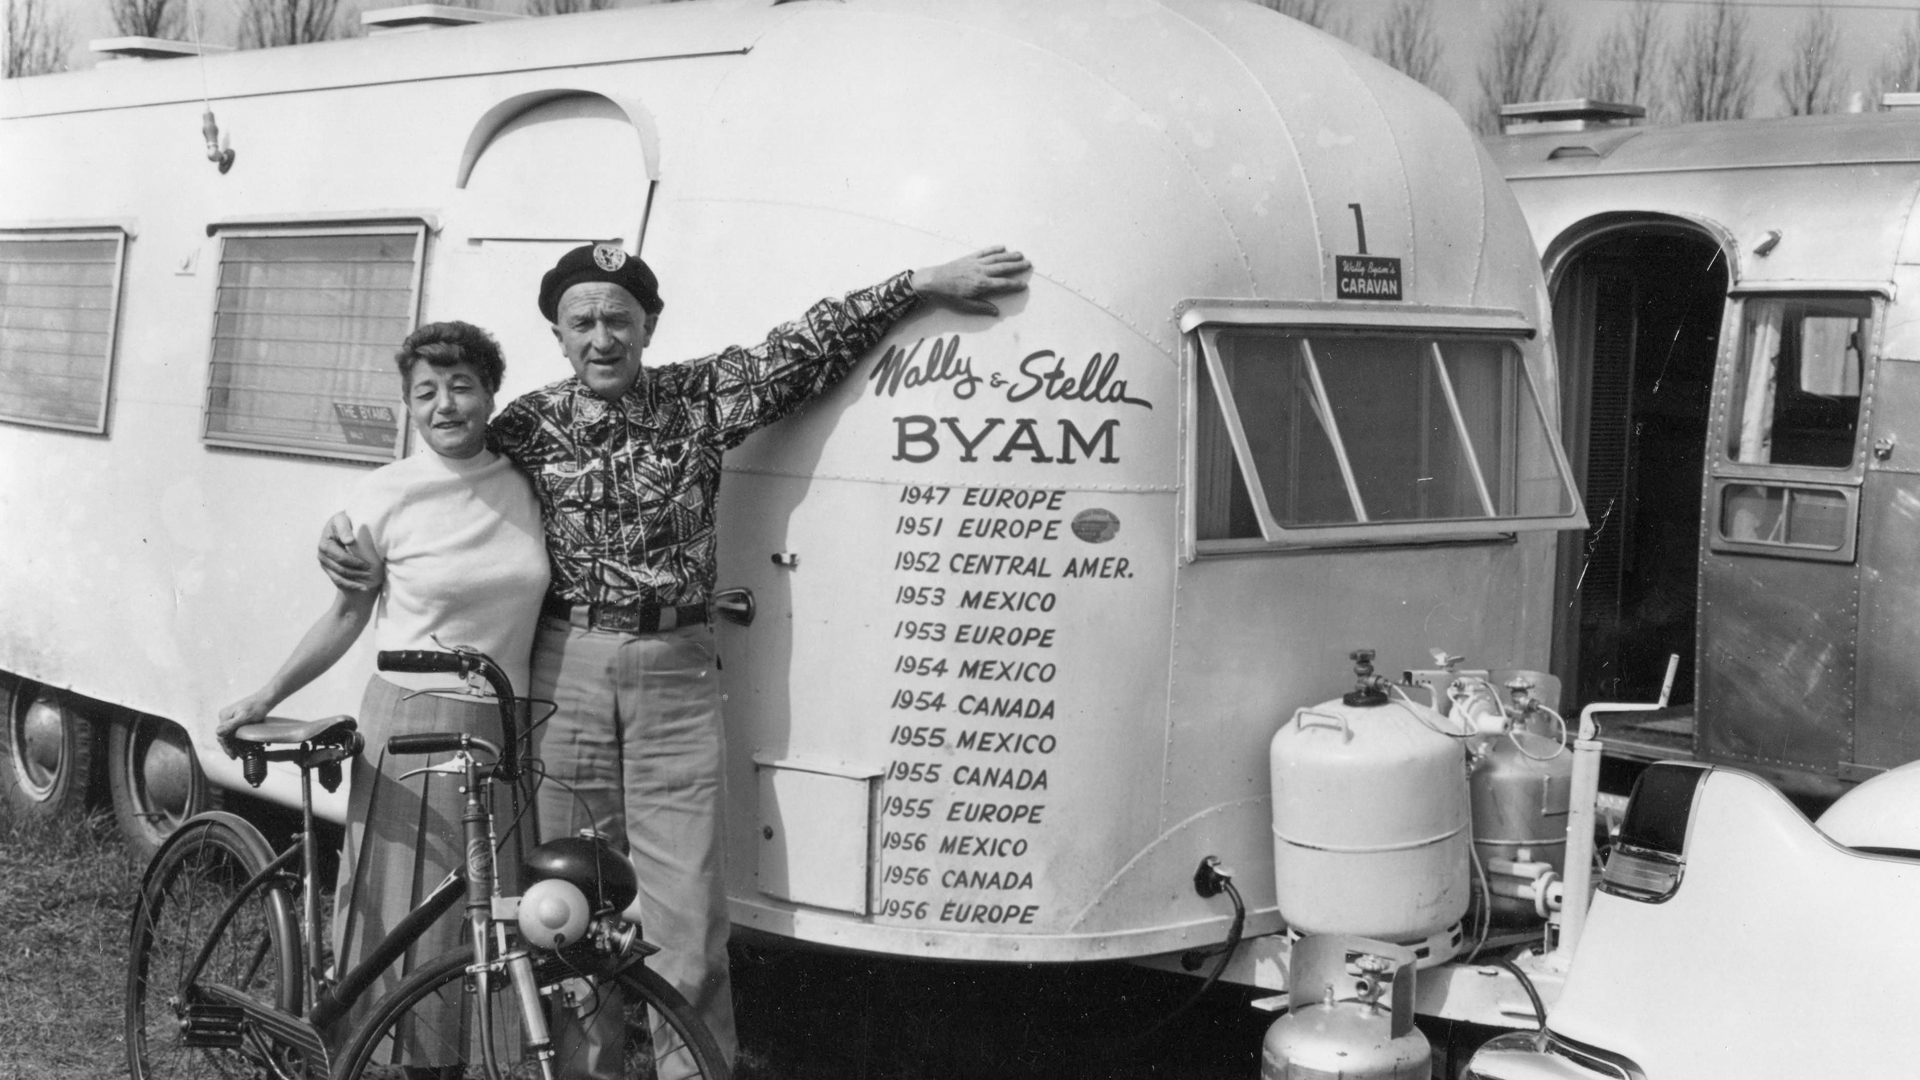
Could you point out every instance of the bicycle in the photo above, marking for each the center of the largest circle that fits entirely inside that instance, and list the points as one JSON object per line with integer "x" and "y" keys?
{"x": 224, "y": 980}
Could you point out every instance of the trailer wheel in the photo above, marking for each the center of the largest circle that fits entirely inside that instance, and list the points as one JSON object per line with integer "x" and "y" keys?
{"x": 46, "y": 752}
{"x": 156, "y": 781}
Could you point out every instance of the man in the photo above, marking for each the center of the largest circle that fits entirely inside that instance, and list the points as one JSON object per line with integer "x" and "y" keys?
{"x": 626, "y": 463}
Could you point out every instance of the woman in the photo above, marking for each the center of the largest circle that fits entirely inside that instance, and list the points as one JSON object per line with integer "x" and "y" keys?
{"x": 457, "y": 532}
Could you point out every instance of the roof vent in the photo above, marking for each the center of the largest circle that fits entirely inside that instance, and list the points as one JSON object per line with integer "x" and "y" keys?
{"x": 1900, "y": 100}
{"x": 149, "y": 48}
{"x": 395, "y": 20}
{"x": 1571, "y": 114}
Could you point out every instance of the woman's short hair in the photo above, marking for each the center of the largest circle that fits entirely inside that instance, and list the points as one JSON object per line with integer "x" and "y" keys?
{"x": 444, "y": 344}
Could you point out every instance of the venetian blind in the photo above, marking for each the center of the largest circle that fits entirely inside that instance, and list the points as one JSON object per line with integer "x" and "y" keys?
{"x": 57, "y": 299}
{"x": 305, "y": 327}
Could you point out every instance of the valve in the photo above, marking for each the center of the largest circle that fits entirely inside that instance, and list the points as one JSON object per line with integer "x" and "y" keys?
{"x": 1368, "y": 689}
{"x": 1370, "y": 983}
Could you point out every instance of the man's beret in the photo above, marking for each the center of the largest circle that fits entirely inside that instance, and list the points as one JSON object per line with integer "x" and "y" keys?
{"x": 599, "y": 262}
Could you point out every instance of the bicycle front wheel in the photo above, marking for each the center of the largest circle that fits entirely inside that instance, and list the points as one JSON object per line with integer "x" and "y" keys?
{"x": 193, "y": 878}
{"x": 409, "y": 1038}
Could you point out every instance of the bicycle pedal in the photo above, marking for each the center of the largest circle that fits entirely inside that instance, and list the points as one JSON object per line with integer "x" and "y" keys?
{"x": 209, "y": 1026}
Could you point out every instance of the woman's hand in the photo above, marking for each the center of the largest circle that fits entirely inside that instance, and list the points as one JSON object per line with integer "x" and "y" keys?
{"x": 248, "y": 710}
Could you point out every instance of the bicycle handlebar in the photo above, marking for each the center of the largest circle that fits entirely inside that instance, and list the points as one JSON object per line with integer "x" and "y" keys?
{"x": 461, "y": 663}
{"x": 427, "y": 660}
{"x": 429, "y": 743}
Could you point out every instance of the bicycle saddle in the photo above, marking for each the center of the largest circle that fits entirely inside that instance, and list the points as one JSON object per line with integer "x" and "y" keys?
{"x": 275, "y": 731}
{"x": 312, "y": 744}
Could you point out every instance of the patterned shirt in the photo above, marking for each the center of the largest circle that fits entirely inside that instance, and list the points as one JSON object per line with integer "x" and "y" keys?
{"x": 627, "y": 488}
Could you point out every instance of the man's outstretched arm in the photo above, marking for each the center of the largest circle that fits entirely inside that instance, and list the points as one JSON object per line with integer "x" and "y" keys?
{"x": 749, "y": 388}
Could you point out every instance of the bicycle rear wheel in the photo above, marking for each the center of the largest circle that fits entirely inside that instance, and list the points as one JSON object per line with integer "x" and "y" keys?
{"x": 193, "y": 877}
{"x": 399, "y": 1043}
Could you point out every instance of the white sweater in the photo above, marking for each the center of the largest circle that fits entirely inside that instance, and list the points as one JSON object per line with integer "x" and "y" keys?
{"x": 465, "y": 556}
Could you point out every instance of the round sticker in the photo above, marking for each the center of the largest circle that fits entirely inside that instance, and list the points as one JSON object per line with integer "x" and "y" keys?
{"x": 1096, "y": 526}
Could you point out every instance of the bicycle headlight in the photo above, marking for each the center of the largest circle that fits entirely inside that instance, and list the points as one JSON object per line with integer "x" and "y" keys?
{"x": 553, "y": 913}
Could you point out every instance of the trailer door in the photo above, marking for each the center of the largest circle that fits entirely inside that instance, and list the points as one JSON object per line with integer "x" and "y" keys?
{"x": 1780, "y": 582}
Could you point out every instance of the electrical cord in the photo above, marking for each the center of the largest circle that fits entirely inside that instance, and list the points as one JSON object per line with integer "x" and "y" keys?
{"x": 1539, "y": 1010}
{"x": 1560, "y": 721}
{"x": 1227, "y": 949}
{"x": 1414, "y": 708}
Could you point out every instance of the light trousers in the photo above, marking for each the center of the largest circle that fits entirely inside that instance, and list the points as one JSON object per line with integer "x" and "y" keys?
{"x": 636, "y": 750}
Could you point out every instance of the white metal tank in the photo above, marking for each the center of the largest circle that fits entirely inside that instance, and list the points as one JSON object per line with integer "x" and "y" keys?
{"x": 1370, "y": 817}
{"x": 1351, "y": 1015}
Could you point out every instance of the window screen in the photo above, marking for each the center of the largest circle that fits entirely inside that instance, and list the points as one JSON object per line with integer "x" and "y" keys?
{"x": 1355, "y": 428}
{"x": 1796, "y": 392}
{"x": 58, "y": 296}
{"x": 305, "y": 327}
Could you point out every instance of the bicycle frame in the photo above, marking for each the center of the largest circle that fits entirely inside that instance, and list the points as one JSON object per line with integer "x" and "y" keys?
{"x": 478, "y": 881}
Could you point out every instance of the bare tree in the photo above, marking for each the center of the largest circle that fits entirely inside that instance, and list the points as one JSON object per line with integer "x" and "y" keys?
{"x": 1810, "y": 82}
{"x": 1899, "y": 70}
{"x": 1524, "y": 54}
{"x": 36, "y": 39}
{"x": 1625, "y": 66}
{"x": 269, "y": 23}
{"x": 1405, "y": 40}
{"x": 565, "y": 7}
{"x": 146, "y": 18}
{"x": 1710, "y": 74}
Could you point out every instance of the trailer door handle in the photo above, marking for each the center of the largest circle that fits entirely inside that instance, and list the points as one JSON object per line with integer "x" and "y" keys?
{"x": 735, "y": 605}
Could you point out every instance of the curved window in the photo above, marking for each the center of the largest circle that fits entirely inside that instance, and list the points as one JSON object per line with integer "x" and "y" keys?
{"x": 1325, "y": 428}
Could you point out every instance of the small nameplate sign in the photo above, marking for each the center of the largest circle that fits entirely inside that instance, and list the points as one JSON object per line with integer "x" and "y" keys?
{"x": 366, "y": 425}
{"x": 1366, "y": 277}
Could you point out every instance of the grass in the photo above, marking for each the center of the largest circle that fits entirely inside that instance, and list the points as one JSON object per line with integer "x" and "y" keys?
{"x": 65, "y": 892}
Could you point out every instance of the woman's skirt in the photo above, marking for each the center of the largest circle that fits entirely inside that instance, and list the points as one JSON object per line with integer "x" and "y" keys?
{"x": 403, "y": 839}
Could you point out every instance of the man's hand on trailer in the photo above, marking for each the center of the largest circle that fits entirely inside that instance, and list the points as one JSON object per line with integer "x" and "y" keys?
{"x": 965, "y": 283}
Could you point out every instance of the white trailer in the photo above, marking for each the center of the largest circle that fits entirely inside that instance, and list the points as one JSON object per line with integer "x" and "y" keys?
{"x": 1032, "y": 594}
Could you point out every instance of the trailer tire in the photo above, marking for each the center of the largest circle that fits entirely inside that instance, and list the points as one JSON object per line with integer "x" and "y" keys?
{"x": 46, "y": 753}
{"x": 155, "y": 779}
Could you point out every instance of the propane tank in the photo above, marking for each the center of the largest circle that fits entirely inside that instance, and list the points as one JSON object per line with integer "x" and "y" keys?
{"x": 1521, "y": 784}
{"x": 1370, "y": 816}
{"x": 1351, "y": 1014}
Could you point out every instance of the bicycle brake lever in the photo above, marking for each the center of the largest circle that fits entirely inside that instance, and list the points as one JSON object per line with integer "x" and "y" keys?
{"x": 453, "y": 766}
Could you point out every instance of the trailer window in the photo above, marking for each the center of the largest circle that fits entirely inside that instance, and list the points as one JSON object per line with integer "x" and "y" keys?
{"x": 1796, "y": 389}
{"x": 1781, "y": 516}
{"x": 59, "y": 293}
{"x": 1343, "y": 429}
{"x": 305, "y": 327}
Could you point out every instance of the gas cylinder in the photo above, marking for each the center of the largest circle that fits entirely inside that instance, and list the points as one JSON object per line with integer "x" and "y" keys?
{"x": 1351, "y": 1014}
{"x": 1521, "y": 784}
{"x": 1370, "y": 817}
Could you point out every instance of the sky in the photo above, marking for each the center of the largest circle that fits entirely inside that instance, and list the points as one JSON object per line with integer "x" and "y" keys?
{"x": 1865, "y": 27}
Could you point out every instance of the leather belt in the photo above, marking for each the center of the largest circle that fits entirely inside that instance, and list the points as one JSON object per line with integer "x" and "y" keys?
{"x": 624, "y": 618}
